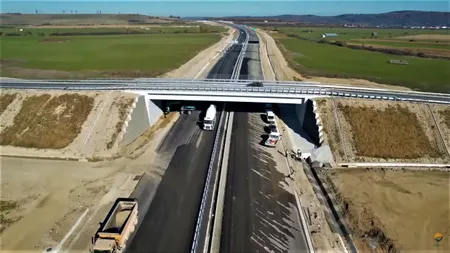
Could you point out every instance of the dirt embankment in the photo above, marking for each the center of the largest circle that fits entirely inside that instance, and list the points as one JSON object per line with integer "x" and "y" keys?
{"x": 395, "y": 211}
{"x": 60, "y": 124}
{"x": 382, "y": 131}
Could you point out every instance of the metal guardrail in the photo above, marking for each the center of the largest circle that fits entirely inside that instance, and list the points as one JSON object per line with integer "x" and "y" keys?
{"x": 207, "y": 184}
{"x": 177, "y": 81}
{"x": 288, "y": 91}
{"x": 235, "y": 75}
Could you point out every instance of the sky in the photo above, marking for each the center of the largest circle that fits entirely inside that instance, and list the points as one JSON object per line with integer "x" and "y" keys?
{"x": 219, "y": 8}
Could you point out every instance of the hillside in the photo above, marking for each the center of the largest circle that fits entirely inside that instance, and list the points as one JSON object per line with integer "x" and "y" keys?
{"x": 396, "y": 18}
{"x": 14, "y": 19}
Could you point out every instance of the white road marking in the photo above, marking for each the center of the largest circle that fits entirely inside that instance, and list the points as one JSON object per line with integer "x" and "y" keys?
{"x": 74, "y": 227}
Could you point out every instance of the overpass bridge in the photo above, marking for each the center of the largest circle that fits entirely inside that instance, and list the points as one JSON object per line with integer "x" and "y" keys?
{"x": 228, "y": 90}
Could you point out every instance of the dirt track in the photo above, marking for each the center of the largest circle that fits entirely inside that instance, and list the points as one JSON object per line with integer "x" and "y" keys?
{"x": 408, "y": 207}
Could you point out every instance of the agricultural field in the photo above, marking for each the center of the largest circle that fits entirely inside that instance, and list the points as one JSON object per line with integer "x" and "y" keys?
{"x": 89, "y": 56}
{"x": 354, "y": 34}
{"x": 82, "y": 19}
{"x": 394, "y": 211}
{"x": 321, "y": 59}
{"x": 124, "y": 30}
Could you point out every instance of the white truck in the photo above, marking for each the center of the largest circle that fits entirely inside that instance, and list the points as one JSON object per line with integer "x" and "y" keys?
{"x": 274, "y": 136}
{"x": 210, "y": 118}
{"x": 270, "y": 116}
{"x": 117, "y": 227}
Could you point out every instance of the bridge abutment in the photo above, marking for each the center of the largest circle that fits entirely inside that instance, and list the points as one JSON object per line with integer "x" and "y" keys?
{"x": 145, "y": 114}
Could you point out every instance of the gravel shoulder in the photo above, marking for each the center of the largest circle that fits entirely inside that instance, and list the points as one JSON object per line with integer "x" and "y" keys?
{"x": 203, "y": 61}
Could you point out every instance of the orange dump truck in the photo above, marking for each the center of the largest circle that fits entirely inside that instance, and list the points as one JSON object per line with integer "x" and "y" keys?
{"x": 117, "y": 227}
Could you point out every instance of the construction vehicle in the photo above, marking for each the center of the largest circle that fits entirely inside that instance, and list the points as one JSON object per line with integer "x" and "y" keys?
{"x": 117, "y": 227}
{"x": 210, "y": 118}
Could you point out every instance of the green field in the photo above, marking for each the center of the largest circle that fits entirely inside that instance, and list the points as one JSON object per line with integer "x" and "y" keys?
{"x": 131, "y": 29}
{"x": 328, "y": 60}
{"x": 150, "y": 55}
{"x": 346, "y": 34}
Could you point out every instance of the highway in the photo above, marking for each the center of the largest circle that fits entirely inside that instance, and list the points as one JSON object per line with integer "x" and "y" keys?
{"x": 169, "y": 223}
{"x": 260, "y": 213}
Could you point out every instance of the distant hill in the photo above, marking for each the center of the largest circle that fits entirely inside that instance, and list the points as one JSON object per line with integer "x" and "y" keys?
{"x": 14, "y": 19}
{"x": 396, "y": 18}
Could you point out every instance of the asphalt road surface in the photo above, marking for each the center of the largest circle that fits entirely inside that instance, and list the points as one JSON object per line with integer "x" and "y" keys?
{"x": 260, "y": 213}
{"x": 169, "y": 223}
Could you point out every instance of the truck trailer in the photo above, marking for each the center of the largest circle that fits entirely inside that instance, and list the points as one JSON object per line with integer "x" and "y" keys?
{"x": 117, "y": 227}
{"x": 210, "y": 118}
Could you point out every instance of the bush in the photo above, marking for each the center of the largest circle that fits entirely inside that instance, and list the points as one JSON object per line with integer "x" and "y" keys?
{"x": 340, "y": 43}
{"x": 13, "y": 34}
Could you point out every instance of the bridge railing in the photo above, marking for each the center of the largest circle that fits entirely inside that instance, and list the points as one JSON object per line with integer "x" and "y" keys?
{"x": 220, "y": 85}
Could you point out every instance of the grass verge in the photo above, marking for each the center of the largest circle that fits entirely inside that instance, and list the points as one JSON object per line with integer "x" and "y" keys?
{"x": 391, "y": 133}
{"x": 5, "y": 100}
{"x": 47, "y": 122}
{"x": 123, "y": 105}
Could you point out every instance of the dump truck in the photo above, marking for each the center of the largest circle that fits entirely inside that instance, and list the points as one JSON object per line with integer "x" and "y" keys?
{"x": 117, "y": 227}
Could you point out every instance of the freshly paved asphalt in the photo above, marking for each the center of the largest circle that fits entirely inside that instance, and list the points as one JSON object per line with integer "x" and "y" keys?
{"x": 259, "y": 213}
{"x": 169, "y": 223}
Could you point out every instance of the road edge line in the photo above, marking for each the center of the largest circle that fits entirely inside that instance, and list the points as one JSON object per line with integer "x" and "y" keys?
{"x": 302, "y": 217}
{"x": 212, "y": 210}
{"x": 218, "y": 216}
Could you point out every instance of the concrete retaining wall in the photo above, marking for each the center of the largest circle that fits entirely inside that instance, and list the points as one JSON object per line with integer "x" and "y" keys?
{"x": 154, "y": 109}
{"x": 307, "y": 118}
{"x": 321, "y": 131}
{"x": 143, "y": 115}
